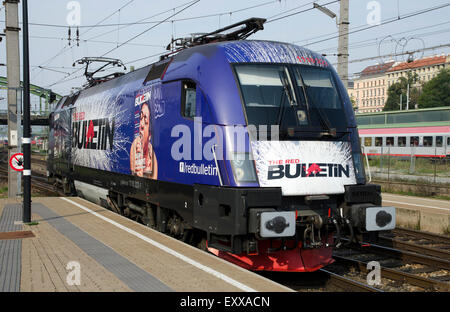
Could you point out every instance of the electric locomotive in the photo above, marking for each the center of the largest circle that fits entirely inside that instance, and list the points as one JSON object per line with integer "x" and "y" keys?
{"x": 247, "y": 147}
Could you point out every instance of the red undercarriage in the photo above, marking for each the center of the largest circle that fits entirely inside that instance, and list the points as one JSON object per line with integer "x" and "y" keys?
{"x": 296, "y": 260}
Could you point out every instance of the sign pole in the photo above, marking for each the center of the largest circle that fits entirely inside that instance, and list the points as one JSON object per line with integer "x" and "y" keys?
{"x": 13, "y": 73}
{"x": 26, "y": 141}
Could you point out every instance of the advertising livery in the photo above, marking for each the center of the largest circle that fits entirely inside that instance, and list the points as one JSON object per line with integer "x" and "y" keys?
{"x": 170, "y": 145}
{"x": 305, "y": 168}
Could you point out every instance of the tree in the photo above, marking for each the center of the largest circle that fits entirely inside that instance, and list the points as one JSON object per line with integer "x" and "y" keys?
{"x": 401, "y": 88}
{"x": 393, "y": 100}
{"x": 353, "y": 101}
{"x": 436, "y": 92}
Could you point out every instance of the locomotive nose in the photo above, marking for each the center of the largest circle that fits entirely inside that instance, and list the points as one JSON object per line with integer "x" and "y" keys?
{"x": 277, "y": 224}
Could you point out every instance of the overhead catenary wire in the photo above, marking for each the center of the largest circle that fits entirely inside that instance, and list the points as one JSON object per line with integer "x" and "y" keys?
{"x": 290, "y": 10}
{"x": 150, "y": 28}
{"x": 369, "y": 58}
{"x": 295, "y": 13}
{"x": 68, "y": 47}
{"x": 141, "y": 20}
{"x": 99, "y": 41}
{"x": 299, "y": 12}
{"x": 387, "y": 21}
{"x": 134, "y": 37}
{"x": 394, "y": 34}
{"x": 173, "y": 20}
{"x": 156, "y": 22}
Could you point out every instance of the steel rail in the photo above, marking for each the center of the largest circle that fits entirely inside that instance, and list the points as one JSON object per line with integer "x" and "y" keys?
{"x": 425, "y": 250}
{"x": 441, "y": 239}
{"x": 347, "y": 283}
{"x": 406, "y": 256}
{"x": 398, "y": 275}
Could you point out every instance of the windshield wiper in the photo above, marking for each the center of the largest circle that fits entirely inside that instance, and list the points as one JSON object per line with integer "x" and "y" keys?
{"x": 322, "y": 116}
{"x": 287, "y": 93}
{"x": 287, "y": 88}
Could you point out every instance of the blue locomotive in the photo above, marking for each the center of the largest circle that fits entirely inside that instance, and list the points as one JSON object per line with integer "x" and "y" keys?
{"x": 248, "y": 147}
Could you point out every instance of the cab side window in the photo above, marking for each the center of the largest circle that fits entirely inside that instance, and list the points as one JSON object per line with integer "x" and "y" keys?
{"x": 188, "y": 99}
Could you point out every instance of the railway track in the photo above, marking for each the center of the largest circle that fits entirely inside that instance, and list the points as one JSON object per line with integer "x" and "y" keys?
{"x": 346, "y": 284}
{"x": 38, "y": 181}
{"x": 401, "y": 268}
{"x": 416, "y": 241}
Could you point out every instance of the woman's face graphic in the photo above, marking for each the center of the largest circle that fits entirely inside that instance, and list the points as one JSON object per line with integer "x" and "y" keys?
{"x": 144, "y": 124}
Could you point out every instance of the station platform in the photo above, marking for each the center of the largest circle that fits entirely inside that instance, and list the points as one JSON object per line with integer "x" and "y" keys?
{"x": 79, "y": 246}
{"x": 420, "y": 213}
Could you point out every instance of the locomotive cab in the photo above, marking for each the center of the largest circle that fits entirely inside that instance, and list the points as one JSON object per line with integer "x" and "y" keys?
{"x": 285, "y": 143}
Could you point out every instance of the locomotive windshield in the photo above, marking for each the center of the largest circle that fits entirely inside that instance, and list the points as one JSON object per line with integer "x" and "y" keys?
{"x": 290, "y": 96}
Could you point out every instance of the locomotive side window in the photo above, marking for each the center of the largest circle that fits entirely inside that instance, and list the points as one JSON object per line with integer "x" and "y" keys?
{"x": 439, "y": 141}
{"x": 427, "y": 141}
{"x": 401, "y": 141}
{"x": 188, "y": 99}
{"x": 367, "y": 141}
{"x": 390, "y": 141}
{"x": 378, "y": 141}
{"x": 414, "y": 141}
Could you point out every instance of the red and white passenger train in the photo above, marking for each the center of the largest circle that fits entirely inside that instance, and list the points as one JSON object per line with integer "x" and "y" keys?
{"x": 432, "y": 141}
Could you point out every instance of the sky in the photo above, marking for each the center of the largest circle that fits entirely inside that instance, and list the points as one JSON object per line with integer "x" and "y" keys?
{"x": 313, "y": 29}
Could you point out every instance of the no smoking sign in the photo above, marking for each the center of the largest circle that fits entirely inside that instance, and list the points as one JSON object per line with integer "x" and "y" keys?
{"x": 16, "y": 162}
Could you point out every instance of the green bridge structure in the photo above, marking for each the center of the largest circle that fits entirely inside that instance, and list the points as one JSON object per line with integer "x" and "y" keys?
{"x": 425, "y": 117}
{"x": 46, "y": 98}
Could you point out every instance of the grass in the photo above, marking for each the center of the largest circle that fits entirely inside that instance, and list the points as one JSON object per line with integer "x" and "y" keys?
{"x": 3, "y": 192}
{"x": 423, "y": 166}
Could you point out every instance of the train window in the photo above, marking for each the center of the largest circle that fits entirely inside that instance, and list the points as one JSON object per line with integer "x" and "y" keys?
{"x": 414, "y": 141}
{"x": 390, "y": 141}
{"x": 439, "y": 140}
{"x": 188, "y": 99}
{"x": 427, "y": 141}
{"x": 320, "y": 87}
{"x": 321, "y": 91}
{"x": 401, "y": 141}
{"x": 70, "y": 100}
{"x": 367, "y": 141}
{"x": 157, "y": 70}
{"x": 378, "y": 141}
{"x": 448, "y": 141}
{"x": 269, "y": 95}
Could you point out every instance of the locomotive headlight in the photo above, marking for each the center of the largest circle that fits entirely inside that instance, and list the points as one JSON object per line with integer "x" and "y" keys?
{"x": 243, "y": 168}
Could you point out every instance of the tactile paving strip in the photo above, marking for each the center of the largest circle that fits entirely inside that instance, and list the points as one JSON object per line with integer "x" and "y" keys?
{"x": 10, "y": 250}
